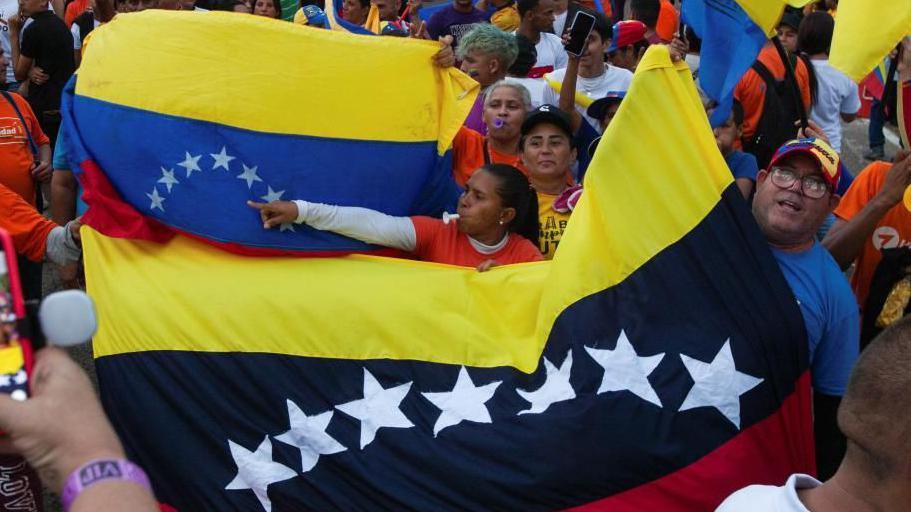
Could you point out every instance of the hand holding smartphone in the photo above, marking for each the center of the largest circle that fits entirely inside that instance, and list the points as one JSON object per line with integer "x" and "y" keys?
{"x": 582, "y": 26}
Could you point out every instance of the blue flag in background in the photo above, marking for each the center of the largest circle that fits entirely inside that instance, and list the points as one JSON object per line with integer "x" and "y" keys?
{"x": 730, "y": 43}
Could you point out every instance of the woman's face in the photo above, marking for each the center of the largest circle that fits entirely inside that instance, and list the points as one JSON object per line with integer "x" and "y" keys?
{"x": 480, "y": 207}
{"x": 265, "y": 8}
{"x": 504, "y": 113}
{"x": 355, "y": 12}
{"x": 547, "y": 152}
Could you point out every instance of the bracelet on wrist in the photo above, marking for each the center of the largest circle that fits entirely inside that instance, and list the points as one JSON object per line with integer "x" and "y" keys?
{"x": 101, "y": 470}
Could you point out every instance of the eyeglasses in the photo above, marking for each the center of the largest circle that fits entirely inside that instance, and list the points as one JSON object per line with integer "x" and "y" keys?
{"x": 812, "y": 186}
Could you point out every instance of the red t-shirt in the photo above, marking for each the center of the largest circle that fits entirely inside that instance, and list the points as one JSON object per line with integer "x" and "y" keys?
{"x": 443, "y": 243}
{"x": 25, "y": 225}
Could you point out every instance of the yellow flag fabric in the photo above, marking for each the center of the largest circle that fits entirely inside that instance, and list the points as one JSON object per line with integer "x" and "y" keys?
{"x": 187, "y": 84}
{"x": 865, "y": 32}
{"x": 662, "y": 178}
{"x": 767, "y": 13}
{"x": 185, "y": 295}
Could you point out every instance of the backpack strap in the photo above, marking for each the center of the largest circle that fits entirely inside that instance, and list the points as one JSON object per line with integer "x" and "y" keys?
{"x": 28, "y": 133}
{"x": 763, "y": 73}
{"x": 486, "y": 153}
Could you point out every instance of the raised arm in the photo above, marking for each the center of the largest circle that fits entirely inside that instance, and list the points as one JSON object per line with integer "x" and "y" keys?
{"x": 362, "y": 224}
{"x": 846, "y": 238}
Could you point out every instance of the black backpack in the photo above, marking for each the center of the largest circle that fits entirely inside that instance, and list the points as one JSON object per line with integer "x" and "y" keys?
{"x": 777, "y": 121}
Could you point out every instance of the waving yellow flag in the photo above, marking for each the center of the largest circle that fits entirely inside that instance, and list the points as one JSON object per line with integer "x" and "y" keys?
{"x": 865, "y": 32}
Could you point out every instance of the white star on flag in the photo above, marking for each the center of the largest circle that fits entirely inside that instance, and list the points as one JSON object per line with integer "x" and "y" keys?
{"x": 257, "y": 471}
{"x": 308, "y": 434}
{"x": 379, "y": 408}
{"x": 167, "y": 178}
{"x": 190, "y": 163}
{"x": 249, "y": 175}
{"x": 625, "y": 370}
{"x": 718, "y": 384}
{"x": 556, "y": 387}
{"x": 464, "y": 403}
{"x": 157, "y": 200}
{"x": 272, "y": 195}
{"x": 286, "y": 226}
{"x": 20, "y": 377}
{"x": 221, "y": 159}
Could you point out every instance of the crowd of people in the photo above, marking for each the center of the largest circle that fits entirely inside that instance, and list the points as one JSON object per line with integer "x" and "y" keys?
{"x": 521, "y": 157}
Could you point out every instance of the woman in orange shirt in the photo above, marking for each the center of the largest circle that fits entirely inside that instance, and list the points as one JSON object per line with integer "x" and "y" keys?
{"x": 497, "y": 223}
{"x": 505, "y": 105}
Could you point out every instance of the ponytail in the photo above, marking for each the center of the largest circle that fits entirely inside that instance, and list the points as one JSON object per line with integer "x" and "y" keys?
{"x": 515, "y": 192}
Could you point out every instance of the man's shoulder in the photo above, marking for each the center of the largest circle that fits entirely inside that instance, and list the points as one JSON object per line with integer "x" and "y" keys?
{"x": 769, "y": 498}
{"x": 550, "y": 39}
{"x": 753, "y": 498}
{"x": 557, "y": 75}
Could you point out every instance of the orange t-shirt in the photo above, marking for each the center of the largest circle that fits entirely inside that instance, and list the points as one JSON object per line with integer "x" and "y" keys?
{"x": 666, "y": 27}
{"x": 443, "y": 243}
{"x": 73, "y": 10}
{"x": 468, "y": 155}
{"x": 25, "y": 225}
{"x": 15, "y": 156}
{"x": 750, "y": 91}
{"x": 893, "y": 230}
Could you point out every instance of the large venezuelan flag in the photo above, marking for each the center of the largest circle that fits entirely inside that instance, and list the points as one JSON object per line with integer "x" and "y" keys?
{"x": 657, "y": 363}
{"x": 175, "y": 134}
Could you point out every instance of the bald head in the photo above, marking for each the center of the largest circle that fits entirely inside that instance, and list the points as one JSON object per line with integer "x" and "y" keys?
{"x": 874, "y": 414}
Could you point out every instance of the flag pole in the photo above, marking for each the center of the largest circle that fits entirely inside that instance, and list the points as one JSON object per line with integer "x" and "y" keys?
{"x": 791, "y": 77}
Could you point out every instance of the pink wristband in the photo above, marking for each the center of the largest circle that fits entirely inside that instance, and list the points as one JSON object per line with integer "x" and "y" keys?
{"x": 100, "y": 470}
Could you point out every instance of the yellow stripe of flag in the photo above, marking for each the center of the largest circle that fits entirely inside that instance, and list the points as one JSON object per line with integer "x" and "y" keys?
{"x": 268, "y": 75}
{"x": 767, "y": 13}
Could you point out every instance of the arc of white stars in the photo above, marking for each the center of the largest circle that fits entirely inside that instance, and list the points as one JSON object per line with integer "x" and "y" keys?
{"x": 464, "y": 403}
{"x": 167, "y": 178}
{"x": 257, "y": 471}
{"x": 718, "y": 384}
{"x": 378, "y": 409}
{"x": 556, "y": 387}
{"x": 249, "y": 175}
{"x": 272, "y": 195}
{"x": 221, "y": 159}
{"x": 308, "y": 434}
{"x": 157, "y": 200}
{"x": 625, "y": 370}
{"x": 190, "y": 163}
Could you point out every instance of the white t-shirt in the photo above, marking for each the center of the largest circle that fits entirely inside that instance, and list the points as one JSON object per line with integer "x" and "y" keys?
{"x": 77, "y": 34}
{"x": 560, "y": 22}
{"x": 836, "y": 94}
{"x": 613, "y": 79}
{"x": 551, "y": 52}
{"x": 535, "y": 86}
{"x": 768, "y": 498}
